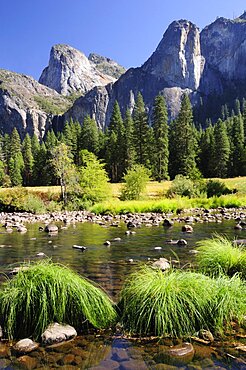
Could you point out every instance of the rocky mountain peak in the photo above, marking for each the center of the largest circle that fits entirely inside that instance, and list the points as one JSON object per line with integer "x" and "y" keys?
{"x": 69, "y": 71}
{"x": 243, "y": 16}
{"x": 178, "y": 58}
{"x": 107, "y": 65}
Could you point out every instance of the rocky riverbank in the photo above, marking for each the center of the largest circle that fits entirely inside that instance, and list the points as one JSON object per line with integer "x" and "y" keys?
{"x": 189, "y": 216}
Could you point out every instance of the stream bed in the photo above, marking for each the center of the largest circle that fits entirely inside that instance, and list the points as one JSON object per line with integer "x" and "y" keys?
{"x": 109, "y": 266}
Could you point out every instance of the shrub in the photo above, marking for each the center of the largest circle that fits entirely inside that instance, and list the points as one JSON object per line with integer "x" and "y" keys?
{"x": 45, "y": 292}
{"x": 185, "y": 187}
{"x": 217, "y": 188}
{"x": 179, "y": 303}
{"x": 135, "y": 180}
{"x": 219, "y": 255}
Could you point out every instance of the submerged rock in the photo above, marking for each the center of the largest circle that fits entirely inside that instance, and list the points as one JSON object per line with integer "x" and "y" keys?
{"x": 51, "y": 228}
{"x": 178, "y": 355}
{"x": 56, "y": 333}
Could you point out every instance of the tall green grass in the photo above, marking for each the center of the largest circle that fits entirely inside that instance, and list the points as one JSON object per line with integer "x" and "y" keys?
{"x": 219, "y": 256}
{"x": 167, "y": 205}
{"x": 179, "y": 303}
{"x": 46, "y": 292}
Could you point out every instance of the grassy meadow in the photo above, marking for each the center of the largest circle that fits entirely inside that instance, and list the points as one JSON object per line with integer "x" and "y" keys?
{"x": 46, "y": 198}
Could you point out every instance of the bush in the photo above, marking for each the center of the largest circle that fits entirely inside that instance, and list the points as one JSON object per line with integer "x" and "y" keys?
{"x": 216, "y": 188}
{"x": 179, "y": 303}
{"x": 93, "y": 180}
{"x": 218, "y": 255}
{"x": 136, "y": 180}
{"x": 183, "y": 186}
{"x": 45, "y": 292}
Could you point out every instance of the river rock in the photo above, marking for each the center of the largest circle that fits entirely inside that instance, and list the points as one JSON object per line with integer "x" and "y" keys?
{"x": 178, "y": 355}
{"x": 56, "y": 333}
{"x": 161, "y": 263}
{"x": 51, "y": 228}
{"x": 187, "y": 229}
{"x": 21, "y": 229}
{"x": 167, "y": 222}
{"x": 25, "y": 346}
{"x": 4, "y": 350}
{"x": 182, "y": 242}
{"x": 27, "y": 362}
{"x": 107, "y": 242}
{"x": 206, "y": 335}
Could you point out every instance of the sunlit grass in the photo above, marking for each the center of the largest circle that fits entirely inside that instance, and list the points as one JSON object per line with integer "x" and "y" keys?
{"x": 219, "y": 255}
{"x": 179, "y": 303}
{"x": 45, "y": 292}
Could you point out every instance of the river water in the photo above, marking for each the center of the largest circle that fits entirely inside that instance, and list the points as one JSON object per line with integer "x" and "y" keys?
{"x": 109, "y": 266}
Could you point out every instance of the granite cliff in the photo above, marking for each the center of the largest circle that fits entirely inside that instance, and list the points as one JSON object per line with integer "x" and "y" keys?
{"x": 210, "y": 65}
{"x": 70, "y": 71}
{"x": 27, "y": 105}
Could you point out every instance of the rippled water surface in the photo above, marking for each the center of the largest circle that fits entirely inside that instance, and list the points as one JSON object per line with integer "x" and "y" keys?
{"x": 109, "y": 266}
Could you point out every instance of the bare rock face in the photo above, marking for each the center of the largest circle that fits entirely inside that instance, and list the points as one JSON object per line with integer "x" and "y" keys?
{"x": 178, "y": 57}
{"x": 224, "y": 47}
{"x": 173, "y": 69}
{"x": 107, "y": 65}
{"x": 70, "y": 71}
{"x": 27, "y": 105}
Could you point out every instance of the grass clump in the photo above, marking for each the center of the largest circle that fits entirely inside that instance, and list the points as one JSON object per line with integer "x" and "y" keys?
{"x": 219, "y": 256}
{"x": 179, "y": 303}
{"x": 46, "y": 292}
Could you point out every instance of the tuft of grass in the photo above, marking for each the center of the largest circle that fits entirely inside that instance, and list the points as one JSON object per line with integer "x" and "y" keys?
{"x": 46, "y": 292}
{"x": 219, "y": 256}
{"x": 179, "y": 303}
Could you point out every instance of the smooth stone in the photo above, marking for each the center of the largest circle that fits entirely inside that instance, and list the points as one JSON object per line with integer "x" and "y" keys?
{"x": 28, "y": 362}
{"x": 116, "y": 240}
{"x": 40, "y": 254}
{"x": 193, "y": 251}
{"x": 80, "y": 247}
{"x": 178, "y": 355}
{"x": 4, "y": 350}
{"x": 162, "y": 264}
{"x": 168, "y": 223}
{"x": 21, "y": 229}
{"x": 51, "y": 228}
{"x": 107, "y": 242}
{"x": 238, "y": 227}
{"x": 25, "y": 346}
{"x": 119, "y": 354}
{"x": 187, "y": 228}
{"x": 206, "y": 335}
{"x": 182, "y": 242}
{"x": 56, "y": 333}
{"x": 158, "y": 248}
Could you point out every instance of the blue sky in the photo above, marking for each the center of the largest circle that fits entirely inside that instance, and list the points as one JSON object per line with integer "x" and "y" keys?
{"x": 127, "y": 31}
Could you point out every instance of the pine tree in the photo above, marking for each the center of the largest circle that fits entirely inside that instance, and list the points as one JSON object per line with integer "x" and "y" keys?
{"x": 89, "y": 137}
{"x": 183, "y": 143}
{"x": 129, "y": 150}
{"x": 206, "y": 145}
{"x": 16, "y": 162}
{"x": 141, "y": 129}
{"x": 28, "y": 160}
{"x": 221, "y": 150}
{"x": 160, "y": 130}
{"x": 237, "y": 147}
{"x": 115, "y": 145}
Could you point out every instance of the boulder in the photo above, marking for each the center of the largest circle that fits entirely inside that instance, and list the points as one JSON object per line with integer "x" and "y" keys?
{"x": 167, "y": 222}
{"x": 25, "y": 346}
{"x": 187, "y": 229}
{"x": 51, "y": 228}
{"x": 56, "y": 333}
{"x": 161, "y": 263}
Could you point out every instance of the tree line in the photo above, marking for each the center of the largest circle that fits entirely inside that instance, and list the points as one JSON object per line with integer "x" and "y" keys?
{"x": 166, "y": 150}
